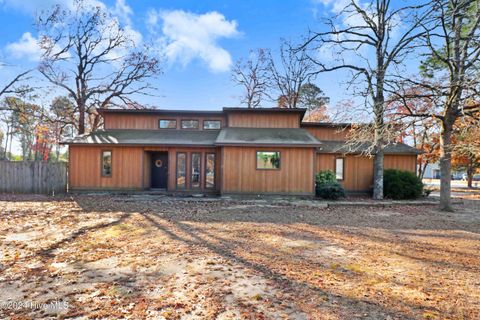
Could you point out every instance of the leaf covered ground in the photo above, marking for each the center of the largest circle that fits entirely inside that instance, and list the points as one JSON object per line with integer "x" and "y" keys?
{"x": 114, "y": 257}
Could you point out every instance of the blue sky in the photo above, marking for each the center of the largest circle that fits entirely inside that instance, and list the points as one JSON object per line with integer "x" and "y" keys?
{"x": 197, "y": 78}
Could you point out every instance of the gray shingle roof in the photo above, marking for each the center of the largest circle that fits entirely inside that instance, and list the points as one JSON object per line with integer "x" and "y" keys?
{"x": 342, "y": 147}
{"x": 227, "y": 136}
{"x": 147, "y": 137}
{"x": 266, "y": 136}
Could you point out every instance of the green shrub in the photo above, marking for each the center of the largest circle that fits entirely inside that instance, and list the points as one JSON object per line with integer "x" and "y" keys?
{"x": 330, "y": 190}
{"x": 398, "y": 184}
{"x": 325, "y": 176}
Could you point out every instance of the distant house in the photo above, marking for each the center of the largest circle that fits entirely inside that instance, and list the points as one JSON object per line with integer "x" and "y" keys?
{"x": 233, "y": 151}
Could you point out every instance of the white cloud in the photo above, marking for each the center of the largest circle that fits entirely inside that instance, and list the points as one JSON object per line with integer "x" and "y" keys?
{"x": 26, "y": 47}
{"x": 123, "y": 12}
{"x": 187, "y": 36}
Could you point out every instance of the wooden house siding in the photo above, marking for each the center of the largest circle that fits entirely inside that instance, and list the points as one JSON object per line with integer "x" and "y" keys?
{"x": 150, "y": 122}
{"x": 401, "y": 162}
{"x": 85, "y": 168}
{"x": 328, "y": 133}
{"x": 240, "y": 175}
{"x": 358, "y": 170}
{"x": 263, "y": 120}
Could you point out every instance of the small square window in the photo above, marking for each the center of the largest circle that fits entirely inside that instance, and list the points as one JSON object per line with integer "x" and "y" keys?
{"x": 212, "y": 124}
{"x": 106, "y": 163}
{"x": 167, "y": 124}
{"x": 268, "y": 160}
{"x": 189, "y": 124}
{"x": 339, "y": 162}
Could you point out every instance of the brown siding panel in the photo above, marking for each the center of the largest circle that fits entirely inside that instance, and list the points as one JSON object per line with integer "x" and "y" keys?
{"x": 84, "y": 168}
{"x": 358, "y": 174}
{"x": 401, "y": 162}
{"x": 264, "y": 120}
{"x": 294, "y": 176}
{"x": 149, "y": 122}
{"x": 332, "y": 134}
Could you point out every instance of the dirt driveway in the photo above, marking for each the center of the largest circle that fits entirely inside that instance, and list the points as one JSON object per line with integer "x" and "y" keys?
{"x": 116, "y": 257}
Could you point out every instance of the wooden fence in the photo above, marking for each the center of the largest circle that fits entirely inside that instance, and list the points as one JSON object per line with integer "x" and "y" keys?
{"x": 33, "y": 177}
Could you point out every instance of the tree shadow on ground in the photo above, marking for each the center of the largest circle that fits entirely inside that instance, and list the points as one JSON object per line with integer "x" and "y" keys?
{"x": 224, "y": 248}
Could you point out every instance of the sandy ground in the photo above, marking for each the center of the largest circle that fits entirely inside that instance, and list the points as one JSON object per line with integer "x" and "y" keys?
{"x": 159, "y": 258}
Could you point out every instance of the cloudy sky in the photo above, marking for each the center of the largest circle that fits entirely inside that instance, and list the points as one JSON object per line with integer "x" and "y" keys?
{"x": 200, "y": 40}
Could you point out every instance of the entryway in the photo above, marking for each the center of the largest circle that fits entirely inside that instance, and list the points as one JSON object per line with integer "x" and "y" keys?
{"x": 159, "y": 165}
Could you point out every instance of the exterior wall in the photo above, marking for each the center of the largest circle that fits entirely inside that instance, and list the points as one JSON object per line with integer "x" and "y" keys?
{"x": 131, "y": 168}
{"x": 402, "y": 162}
{"x": 240, "y": 175}
{"x": 263, "y": 120}
{"x": 150, "y": 121}
{"x": 85, "y": 168}
{"x": 358, "y": 170}
{"x": 328, "y": 133}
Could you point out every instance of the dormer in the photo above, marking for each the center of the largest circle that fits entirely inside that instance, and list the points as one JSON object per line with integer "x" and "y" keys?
{"x": 264, "y": 117}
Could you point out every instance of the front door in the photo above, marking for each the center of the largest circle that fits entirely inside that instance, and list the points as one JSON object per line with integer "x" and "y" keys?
{"x": 159, "y": 170}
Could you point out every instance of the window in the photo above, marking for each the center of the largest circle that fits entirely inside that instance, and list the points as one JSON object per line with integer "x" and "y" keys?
{"x": 268, "y": 160}
{"x": 181, "y": 170}
{"x": 195, "y": 174}
{"x": 189, "y": 124}
{"x": 211, "y": 124}
{"x": 106, "y": 163}
{"x": 210, "y": 171}
{"x": 339, "y": 168}
{"x": 167, "y": 124}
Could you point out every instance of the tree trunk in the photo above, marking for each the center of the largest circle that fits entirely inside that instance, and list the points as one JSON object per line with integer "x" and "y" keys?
{"x": 470, "y": 172}
{"x": 378, "y": 175}
{"x": 446, "y": 166}
{"x": 81, "y": 117}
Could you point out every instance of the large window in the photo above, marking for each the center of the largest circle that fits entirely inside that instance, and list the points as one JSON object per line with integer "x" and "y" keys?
{"x": 189, "y": 124}
{"x": 181, "y": 170}
{"x": 209, "y": 170}
{"x": 268, "y": 160}
{"x": 339, "y": 162}
{"x": 195, "y": 173}
{"x": 211, "y": 124}
{"x": 106, "y": 163}
{"x": 167, "y": 124}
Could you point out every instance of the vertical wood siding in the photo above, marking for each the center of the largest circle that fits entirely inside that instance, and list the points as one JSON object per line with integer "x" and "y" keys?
{"x": 85, "y": 166}
{"x": 149, "y": 122}
{"x": 358, "y": 171}
{"x": 401, "y": 162}
{"x": 130, "y": 167}
{"x": 294, "y": 176}
{"x": 263, "y": 120}
{"x": 325, "y": 133}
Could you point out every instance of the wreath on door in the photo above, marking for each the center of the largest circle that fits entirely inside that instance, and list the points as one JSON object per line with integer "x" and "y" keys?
{"x": 158, "y": 163}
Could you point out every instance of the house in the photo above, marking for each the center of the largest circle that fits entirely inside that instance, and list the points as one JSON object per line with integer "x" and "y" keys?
{"x": 232, "y": 151}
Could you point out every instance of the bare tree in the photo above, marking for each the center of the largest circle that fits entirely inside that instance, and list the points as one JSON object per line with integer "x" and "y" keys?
{"x": 253, "y": 75}
{"x": 289, "y": 74}
{"x": 15, "y": 86}
{"x": 94, "y": 59}
{"x": 451, "y": 70}
{"x": 369, "y": 42}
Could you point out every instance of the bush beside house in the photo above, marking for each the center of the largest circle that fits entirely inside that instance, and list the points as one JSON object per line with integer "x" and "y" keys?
{"x": 327, "y": 187}
{"x": 399, "y": 185}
